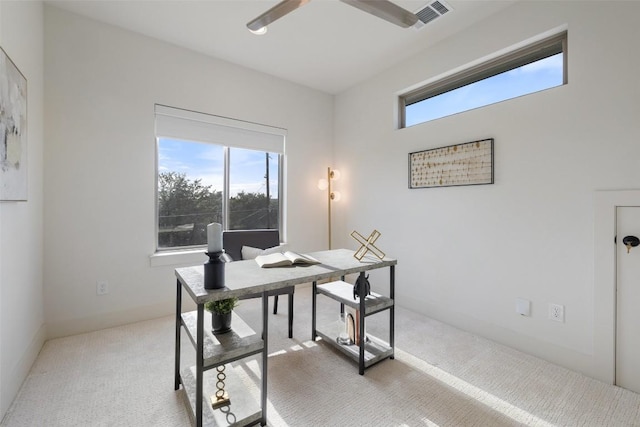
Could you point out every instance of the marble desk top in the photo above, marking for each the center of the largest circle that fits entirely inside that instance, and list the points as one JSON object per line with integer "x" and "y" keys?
{"x": 247, "y": 277}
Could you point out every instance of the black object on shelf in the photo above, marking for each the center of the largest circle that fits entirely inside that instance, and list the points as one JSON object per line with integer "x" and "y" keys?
{"x": 214, "y": 271}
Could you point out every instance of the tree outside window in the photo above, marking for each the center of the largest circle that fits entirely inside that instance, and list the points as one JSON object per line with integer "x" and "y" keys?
{"x": 191, "y": 182}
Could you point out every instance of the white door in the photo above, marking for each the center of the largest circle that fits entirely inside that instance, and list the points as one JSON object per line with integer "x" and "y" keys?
{"x": 628, "y": 300}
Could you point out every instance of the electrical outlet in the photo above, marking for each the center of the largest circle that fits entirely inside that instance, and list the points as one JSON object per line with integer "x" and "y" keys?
{"x": 102, "y": 287}
{"x": 523, "y": 307}
{"x": 556, "y": 312}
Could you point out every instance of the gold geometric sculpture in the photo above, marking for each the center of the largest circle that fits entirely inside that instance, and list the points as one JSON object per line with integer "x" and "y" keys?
{"x": 367, "y": 245}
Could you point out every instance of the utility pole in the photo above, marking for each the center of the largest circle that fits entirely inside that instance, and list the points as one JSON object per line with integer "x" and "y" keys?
{"x": 268, "y": 194}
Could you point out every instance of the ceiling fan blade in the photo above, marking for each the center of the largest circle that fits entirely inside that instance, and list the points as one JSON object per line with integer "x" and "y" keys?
{"x": 386, "y": 10}
{"x": 276, "y": 12}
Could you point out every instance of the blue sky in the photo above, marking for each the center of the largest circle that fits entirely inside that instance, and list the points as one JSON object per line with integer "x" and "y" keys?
{"x": 530, "y": 78}
{"x": 199, "y": 160}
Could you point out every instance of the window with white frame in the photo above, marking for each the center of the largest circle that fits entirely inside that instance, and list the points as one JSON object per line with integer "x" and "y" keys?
{"x": 541, "y": 65}
{"x": 215, "y": 169}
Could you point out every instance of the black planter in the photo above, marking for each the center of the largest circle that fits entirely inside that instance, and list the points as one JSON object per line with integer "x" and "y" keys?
{"x": 221, "y": 323}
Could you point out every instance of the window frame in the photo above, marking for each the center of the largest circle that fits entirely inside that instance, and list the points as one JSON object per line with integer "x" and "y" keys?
{"x": 198, "y": 119}
{"x": 520, "y": 57}
{"x": 226, "y": 189}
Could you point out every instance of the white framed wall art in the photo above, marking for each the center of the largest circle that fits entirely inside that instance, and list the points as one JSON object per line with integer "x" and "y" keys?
{"x": 13, "y": 131}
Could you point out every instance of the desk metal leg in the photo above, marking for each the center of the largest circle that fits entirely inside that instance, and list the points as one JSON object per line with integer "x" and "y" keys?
{"x": 341, "y": 304}
{"x": 199, "y": 363}
{"x": 176, "y": 385}
{"x": 363, "y": 339}
{"x": 313, "y": 310}
{"x": 290, "y": 314}
{"x": 392, "y": 310}
{"x": 265, "y": 353}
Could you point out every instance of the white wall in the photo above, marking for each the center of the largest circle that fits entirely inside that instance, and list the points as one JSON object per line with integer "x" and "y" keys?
{"x": 101, "y": 86}
{"x": 466, "y": 253}
{"x": 21, "y": 303}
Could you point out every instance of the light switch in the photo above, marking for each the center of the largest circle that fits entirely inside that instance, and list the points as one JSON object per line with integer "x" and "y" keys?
{"x": 523, "y": 306}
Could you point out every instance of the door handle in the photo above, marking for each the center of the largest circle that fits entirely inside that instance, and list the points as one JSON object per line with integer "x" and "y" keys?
{"x": 630, "y": 242}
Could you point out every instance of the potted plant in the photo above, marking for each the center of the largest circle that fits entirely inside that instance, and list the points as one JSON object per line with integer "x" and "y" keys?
{"x": 221, "y": 314}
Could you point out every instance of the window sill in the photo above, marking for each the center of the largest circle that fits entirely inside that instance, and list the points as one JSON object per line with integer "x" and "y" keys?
{"x": 187, "y": 257}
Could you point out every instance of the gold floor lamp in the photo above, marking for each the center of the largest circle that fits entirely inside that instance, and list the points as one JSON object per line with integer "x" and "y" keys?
{"x": 332, "y": 196}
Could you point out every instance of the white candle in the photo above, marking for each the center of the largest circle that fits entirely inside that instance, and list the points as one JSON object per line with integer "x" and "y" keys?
{"x": 214, "y": 238}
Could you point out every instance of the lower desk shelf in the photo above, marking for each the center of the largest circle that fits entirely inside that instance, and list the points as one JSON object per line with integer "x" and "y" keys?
{"x": 240, "y": 342}
{"x": 243, "y": 409}
{"x": 375, "y": 349}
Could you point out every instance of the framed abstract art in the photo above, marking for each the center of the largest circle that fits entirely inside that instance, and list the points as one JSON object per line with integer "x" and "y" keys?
{"x": 470, "y": 163}
{"x": 13, "y": 131}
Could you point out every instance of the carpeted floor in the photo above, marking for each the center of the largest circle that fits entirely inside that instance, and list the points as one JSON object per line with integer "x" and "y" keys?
{"x": 441, "y": 376}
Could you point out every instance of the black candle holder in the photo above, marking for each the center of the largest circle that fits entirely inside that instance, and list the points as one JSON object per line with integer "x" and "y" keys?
{"x": 214, "y": 271}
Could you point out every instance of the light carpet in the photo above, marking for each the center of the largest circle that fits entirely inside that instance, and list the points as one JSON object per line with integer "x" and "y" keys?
{"x": 441, "y": 376}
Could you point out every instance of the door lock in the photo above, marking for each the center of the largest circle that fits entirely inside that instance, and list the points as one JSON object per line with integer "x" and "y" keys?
{"x": 630, "y": 242}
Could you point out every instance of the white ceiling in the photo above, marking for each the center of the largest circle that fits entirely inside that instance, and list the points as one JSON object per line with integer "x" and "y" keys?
{"x": 325, "y": 44}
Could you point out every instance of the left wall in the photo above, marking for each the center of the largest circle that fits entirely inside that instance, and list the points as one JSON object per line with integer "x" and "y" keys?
{"x": 21, "y": 238}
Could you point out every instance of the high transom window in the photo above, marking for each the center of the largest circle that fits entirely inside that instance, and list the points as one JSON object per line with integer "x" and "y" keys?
{"x": 215, "y": 169}
{"x": 536, "y": 67}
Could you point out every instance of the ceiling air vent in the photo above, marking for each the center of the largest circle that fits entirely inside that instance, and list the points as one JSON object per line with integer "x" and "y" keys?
{"x": 432, "y": 11}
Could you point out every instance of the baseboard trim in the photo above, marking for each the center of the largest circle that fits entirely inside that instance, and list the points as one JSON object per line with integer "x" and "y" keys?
{"x": 562, "y": 356}
{"x": 12, "y": 379}
{"x": 68, "y": 327}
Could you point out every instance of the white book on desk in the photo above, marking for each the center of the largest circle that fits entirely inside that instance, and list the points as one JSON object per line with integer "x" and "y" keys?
{"x": 285, "y": 259}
